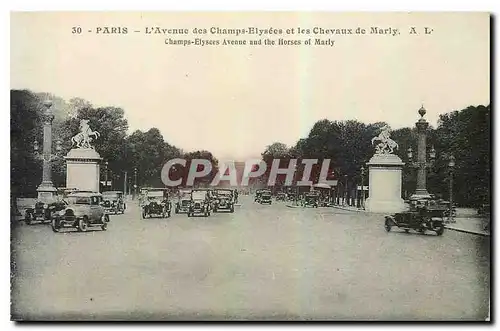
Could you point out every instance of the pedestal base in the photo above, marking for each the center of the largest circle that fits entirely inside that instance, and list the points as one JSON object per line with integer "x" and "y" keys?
{"x": 82, "y": 169}
{"x": 385, "y": 172}
{"x": 380, "y": 206}
{"x": 46, "y": 191}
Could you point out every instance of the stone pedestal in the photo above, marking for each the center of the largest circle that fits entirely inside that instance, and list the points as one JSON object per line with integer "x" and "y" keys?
{"x": 385, "y": 173}
{"x": 82, "y": 169}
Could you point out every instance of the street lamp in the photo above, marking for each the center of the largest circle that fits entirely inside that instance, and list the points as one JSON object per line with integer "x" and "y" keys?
{"x": 362, "y": 187}
{"x": 451, "y": 167}
{"x": 345, "y": 191}
{"x": 46, "y": 189}
{"x": 421, "y": 163}
{"x": 106, "y": 175}
{"x": 135, "y": 182}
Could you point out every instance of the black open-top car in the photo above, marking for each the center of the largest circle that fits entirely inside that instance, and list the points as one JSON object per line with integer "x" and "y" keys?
{"x": 183, "y": 202}
{"x": 200, "y": 203}
{"x": 281, "y": 196}
{"x": 421, "y": 217}
{"x": 43, "y": 211}
{"x": 311, "y": 199}
{"x": 113, "y": 202}
{"x": 266, "y": 197}
{"x": 156, "y": 203}
{"x": 224, "y": 200}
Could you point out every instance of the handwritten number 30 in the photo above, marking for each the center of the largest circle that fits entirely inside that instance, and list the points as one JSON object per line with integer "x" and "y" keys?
{"x": 76, "y": 29}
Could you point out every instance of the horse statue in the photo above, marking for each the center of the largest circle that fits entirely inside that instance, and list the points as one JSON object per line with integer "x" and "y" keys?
{"x": 386, "y": 145}
{"x": 83, "y": 138}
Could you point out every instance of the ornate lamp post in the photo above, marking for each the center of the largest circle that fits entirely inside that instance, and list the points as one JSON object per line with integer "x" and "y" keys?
{"x": 106, "y": 175}
{"x": 135, "y": 182}
{"x": 345, "y": 191}
{"x": 46, "y": 189}
{"x": 362, "y": 187}
{"x": 451, "y": 167}
{"x": 421, "y": 163}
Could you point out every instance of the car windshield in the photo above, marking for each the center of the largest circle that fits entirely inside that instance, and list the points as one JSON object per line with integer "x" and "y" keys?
{"x": 155, "y": 194}
{"x": 224, "y": 192}
{"x": 110, "y": 195}
{"x": 78, "y": 200}
{"x": 199, "y": 195}
{"x": 184, "y": 195}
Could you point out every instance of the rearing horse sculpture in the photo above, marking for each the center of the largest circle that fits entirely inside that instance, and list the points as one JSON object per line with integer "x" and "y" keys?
{"x": 83, "y": 138}
{"x": 386, "y": 144}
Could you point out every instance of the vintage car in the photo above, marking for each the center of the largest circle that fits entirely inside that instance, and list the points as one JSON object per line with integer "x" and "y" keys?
{"x": 266, "y": 197}
{"x": 113, "y": 202}
{"x": 311, "y": 199}
{"x": 258, "y": 194}
{"x": 44, "y": 209}
{"x": 183, "y": 202}
{"x": 281, "y": 196}
{"x": 157, "y": 203}
{"x": 200, "y": 203}
{"x": 83, "y": 210}
{"x": 224, "y": 200}
{"x": 422, "y": 217}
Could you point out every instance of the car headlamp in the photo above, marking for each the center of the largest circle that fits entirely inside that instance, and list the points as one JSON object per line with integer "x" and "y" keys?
{"x": 45, "y": 206}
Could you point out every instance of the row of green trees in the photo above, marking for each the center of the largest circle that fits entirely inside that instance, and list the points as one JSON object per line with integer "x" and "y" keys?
{"x": 464, "y": 134}
{"x": 145, "y": 151}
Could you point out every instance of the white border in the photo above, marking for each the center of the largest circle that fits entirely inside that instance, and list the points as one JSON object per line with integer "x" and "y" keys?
{"x": 143, "y": 5}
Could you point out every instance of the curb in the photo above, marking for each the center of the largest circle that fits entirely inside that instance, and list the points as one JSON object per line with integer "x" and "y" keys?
{"x": 468, "y": 231}
{"x": 353, "y": 210}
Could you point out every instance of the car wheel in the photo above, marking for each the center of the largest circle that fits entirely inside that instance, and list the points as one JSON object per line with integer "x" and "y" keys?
{"x": 407, "y": 230}
{"x": 144, "y": 214}
{"x": 105, "y": 218}
{"x": 232, "y": 210}
{"x": 55, "y": 225}
{"x": 28, "y": 218}
{"x": 177, "y": 210}
{"x": 388, "y": 225}
{"x": 439, "y": 229}
{"x": 82, "y": 225}
{"x": 169, "y": 214}
{"x": 47, "y": 217}
{"x": 104, "y": 227}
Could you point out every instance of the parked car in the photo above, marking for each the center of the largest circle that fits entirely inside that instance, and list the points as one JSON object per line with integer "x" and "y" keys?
{"x": 157, "y": 203}
{"x": 266, "y": 197}
{"x": 224, "y": 200}
{"x": 258, "y": 194}
{"x": 311, "y": 199}
{"x": 83, "y": 210}
{"x": 183, "y": 202}
{"x": 200, "y": 203}
{"x": 113, "y": 202}
{"x": 281, "y": 196}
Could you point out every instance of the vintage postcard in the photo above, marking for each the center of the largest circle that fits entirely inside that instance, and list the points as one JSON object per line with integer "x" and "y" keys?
{"x": 250, "y": 166}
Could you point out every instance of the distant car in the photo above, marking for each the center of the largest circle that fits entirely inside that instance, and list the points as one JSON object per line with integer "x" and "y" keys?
{"x": 266, "y": 197}
{"x": 224, "y": 200}
{"x": 113, "y": 202}
{"x": 183, "y": 202}
{"x": 83, "y": 210}
{"x": 157, "y": 203}
{"x": 200, "y": 203}
{"x": 281, "y": 196}
{"x": 311, "y": 200}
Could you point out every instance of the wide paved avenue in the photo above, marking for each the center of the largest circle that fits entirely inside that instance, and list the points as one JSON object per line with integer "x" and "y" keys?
{"x": 262, "y": 262}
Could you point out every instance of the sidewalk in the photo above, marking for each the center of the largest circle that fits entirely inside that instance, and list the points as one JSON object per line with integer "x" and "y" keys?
{"x": 465, "y": 222}
{"x": 473, "y": 225}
